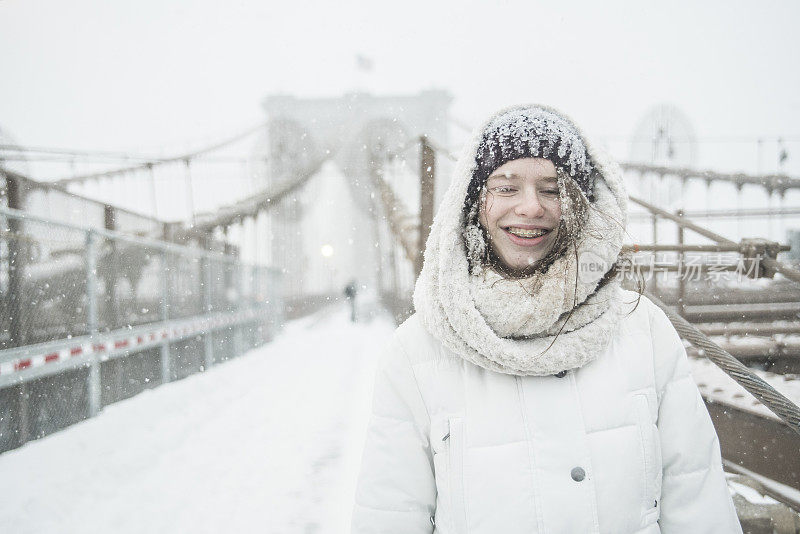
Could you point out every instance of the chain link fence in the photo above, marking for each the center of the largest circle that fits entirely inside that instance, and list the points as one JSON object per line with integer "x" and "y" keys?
{"x": 89, "y": 317}
{"x": 43, "y": 282}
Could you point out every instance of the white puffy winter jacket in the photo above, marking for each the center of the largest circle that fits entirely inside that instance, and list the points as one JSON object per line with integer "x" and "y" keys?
{"x": 621, "y": 445}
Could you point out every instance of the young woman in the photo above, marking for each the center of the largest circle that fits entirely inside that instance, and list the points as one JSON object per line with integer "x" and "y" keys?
{"x": 530, "y": 393}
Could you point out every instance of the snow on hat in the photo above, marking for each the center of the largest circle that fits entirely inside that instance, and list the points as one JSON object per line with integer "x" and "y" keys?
{"x": 532, "y": 132}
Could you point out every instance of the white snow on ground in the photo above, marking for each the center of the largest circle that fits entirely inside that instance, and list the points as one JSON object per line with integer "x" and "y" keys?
{"x": 268, "y": 442}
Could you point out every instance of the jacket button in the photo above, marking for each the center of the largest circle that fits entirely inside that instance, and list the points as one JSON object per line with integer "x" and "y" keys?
{"x": 561, "y": 374}
{"x": 577, "y": 474}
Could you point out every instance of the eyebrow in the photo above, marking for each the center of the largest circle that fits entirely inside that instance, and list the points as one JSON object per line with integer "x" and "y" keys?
{"x": 512, "y": 176}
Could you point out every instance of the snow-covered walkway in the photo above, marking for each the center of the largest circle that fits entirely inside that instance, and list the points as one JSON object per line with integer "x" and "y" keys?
{"x": 269, "y": 442}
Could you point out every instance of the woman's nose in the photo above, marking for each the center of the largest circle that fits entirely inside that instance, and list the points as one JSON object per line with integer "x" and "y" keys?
{"x": 529, "y": 205}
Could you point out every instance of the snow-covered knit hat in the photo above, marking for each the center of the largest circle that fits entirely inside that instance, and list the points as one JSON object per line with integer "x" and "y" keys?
{"x": 528, "y": 132}
{"x": 531, "y": 132}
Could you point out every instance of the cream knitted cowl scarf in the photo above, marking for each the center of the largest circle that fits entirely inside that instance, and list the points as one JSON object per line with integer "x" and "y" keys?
{"x": 524, "y": 326}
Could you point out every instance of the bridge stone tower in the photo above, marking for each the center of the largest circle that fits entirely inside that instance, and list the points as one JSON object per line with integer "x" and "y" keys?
{"x": 360, "y": 132}
{"x": 334, "y": 122}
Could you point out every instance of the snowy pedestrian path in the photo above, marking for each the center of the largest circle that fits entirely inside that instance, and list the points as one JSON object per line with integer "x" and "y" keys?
{"x": 268, "y": 442}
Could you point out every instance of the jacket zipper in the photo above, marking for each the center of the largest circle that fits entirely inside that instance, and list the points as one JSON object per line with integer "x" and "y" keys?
{"x": 455, "y": 447}
{"x": 649, "y": 497}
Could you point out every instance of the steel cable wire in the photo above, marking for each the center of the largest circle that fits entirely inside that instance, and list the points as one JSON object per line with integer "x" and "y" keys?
{"x": 781, "y": 406}
{"x": 159, "y": 161}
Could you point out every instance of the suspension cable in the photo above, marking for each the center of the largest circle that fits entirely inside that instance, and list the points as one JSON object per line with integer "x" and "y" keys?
{"x": 260, "y": 201}
{"x": 758, "y": 387}
{"x": 770, "y": 181}
{"x": 173, "y": 159}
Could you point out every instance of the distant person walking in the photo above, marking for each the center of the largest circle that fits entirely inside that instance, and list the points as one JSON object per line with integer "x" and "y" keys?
{"x": 350, "y": 292}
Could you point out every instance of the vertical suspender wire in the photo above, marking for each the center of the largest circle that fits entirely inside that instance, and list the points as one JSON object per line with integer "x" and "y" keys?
{"x": 189, "y": 190}
{"x": 249, "y": 223}
{"x": 153, "y": 195}
{"x": 771, "y": 213}
{"x": 739, "y": 207}
{"x": 249, "y": 184}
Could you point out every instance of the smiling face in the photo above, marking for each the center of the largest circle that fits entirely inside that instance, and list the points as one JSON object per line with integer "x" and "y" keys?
{"x": 521, "y": 212}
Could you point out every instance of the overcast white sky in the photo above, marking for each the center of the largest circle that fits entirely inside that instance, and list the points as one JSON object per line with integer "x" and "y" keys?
{"x": 160, "y": 75}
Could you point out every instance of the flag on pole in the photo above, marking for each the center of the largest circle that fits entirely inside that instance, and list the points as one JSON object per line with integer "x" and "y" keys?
{"x": 364, "y": 63}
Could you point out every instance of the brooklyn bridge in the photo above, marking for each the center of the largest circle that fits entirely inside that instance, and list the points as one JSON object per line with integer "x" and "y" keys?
{"x": 130, "y": 273}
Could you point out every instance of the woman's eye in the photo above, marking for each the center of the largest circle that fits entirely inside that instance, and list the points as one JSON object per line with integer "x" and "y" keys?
{"x": 551, "y": 192}
{"x": 503, "y": 189}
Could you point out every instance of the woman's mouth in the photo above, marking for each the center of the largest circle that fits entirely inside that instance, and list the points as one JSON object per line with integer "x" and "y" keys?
{"x": 526, "y": 237}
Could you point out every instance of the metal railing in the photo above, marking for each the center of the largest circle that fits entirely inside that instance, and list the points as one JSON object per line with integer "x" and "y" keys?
{"x": 100, "y": 315}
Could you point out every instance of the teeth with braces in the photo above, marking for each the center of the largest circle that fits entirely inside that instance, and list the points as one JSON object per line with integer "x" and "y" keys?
{"x": 520, "y": 232}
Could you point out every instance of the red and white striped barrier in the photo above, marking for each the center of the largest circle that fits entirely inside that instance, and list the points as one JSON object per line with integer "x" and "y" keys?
{"x": 119, "y": 342}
